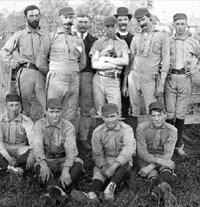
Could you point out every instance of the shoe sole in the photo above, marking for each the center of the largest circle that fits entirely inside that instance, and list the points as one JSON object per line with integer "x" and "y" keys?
{"x": 56, "y": 194}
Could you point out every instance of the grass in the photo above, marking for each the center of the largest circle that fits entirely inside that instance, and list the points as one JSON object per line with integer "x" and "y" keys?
{"x": 132, "y": 192}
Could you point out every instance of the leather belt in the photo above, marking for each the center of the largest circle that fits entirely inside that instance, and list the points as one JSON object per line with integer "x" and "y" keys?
{"x": 178, "y": 72}
{"x": 109, "y": 74}
{"x": 55, "y": 155}
{"x": 29, "y": 66}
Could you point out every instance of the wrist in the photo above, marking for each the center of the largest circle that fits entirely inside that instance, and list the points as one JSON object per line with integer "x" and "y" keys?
{"x": 43, "y": 163}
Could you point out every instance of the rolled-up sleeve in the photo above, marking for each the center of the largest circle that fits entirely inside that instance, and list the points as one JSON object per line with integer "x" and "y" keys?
{"x": 38, "y": 146}
{"x": 142, "y": 146}
{"x": 129, "y": 147}
{"x": 70, "y": 147}
{"x": 97, "y": 150}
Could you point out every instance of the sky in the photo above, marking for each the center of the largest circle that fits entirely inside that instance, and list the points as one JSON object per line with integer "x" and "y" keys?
{"x": 164, "y": 9}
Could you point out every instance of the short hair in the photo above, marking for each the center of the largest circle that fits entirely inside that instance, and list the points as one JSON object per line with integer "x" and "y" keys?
{"x": 30, "y": 7}
{"x": 83, "y": 15}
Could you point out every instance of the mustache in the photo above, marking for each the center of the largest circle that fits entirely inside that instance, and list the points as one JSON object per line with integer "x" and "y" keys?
{"x": 82, "y": 27}
{"x": 143, "y": 25}
{"x": 69, "y": 24}
{"x": 124, "y": 24}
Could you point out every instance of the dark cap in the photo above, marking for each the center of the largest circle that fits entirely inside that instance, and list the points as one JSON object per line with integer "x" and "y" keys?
{"x": 141, "y": 12}
{"x": 109, "y": 20}
{"x": 66, "y": 11}
{"x": 12, "y": 97}
{"x": 179, "y": 16}
{"x": 123, "y": 11}
{"x": 54, "y": 104}
{"x": 109, "y": 108}
{"x": 156, "y": 105}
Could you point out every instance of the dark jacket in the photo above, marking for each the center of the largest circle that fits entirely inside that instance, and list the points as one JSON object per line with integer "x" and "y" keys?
{"x": 128, "y": 38}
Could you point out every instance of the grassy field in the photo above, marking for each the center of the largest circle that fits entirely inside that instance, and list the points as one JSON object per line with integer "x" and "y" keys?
{"x": 132, "y": 192}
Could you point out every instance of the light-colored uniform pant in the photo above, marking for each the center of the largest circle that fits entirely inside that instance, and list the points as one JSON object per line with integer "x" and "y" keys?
{"x": 141, "y": 84}
{"x": 86, "y": 103}
{"x": 177, "y": 95}
{"x": 64, "y": 87}
{"x": 31, "y": 81}
{"x": 106, "y": 90}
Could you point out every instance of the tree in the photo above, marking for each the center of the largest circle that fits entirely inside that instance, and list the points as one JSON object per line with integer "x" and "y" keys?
{"x": 97, "y": 10}
{"x": 49, "y": 11}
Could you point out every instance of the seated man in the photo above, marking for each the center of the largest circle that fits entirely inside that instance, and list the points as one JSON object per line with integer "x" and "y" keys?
{"x": 156, "y": 141}
{"x": 16, "y": 137}
{"x": 56, "y": 152}
{"x": 113, "y": 146}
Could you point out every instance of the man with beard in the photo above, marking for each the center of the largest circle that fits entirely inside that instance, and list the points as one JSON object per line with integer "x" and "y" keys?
{"x": 113, "y": 146}
{"x": 63, "y": 54}
{"x": 184, "y": 63}
{"x": 156, "y": 141}
{"x": 124, "y": 19}
{"x": 27, "y": 42}
{"x": 56, "y": 153}
{"x": 149, "y": 63}
{"x": 109, "y": 56}
{"x": 16, "y": 137}
{"x": 86, "y": 76}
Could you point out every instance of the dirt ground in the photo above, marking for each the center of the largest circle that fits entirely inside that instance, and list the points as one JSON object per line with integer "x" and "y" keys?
{"x": 132, "y": 192}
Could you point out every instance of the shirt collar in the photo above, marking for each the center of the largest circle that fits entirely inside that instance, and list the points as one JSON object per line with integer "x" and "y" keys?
{"x": 117, "y": 128}
{"x": 123, "y": 33}
{"x": 84, "y": 35}
{"x": 35, "y": 30}
{"x": 179, "y": 38}
{"x": 163, "y": 126}
{"x": 115, "y": 38}
{"x": 6, "y": 118}
{"x": 59, "y": 125}
{"x": 61, "y": 30}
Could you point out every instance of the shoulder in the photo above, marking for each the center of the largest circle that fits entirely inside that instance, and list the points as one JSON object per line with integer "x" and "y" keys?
{"x": 26, "y": 118}
{"x": 2, "y": 117}
{"x": 124, "y": 126}
{"x": 192, "y": 41}
{"x": 99, "y": 129}
{"x": 91, "y": 37}
{"x": 40, "y": 123}
{"x": 171, "y": 128}
{"x": 66, "y": 124}
{"x": 144, "y": 125}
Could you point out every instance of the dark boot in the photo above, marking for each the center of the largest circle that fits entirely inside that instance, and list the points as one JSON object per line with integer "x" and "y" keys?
{"x": 179, "y": 124}
{"x": 170, "y": 121}
{"x": 133, "y": 122}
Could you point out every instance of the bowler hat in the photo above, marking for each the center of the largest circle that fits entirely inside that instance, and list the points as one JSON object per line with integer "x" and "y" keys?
{"x": 123, "y": 11}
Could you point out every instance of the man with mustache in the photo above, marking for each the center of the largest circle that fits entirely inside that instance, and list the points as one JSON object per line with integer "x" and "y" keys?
{"x": 86, "y": 101}
{"x": 124, "y": 19}
{"x": 16, "y": 137}
{"x": 63, "y": 55}
{"x": 184, "y": 63}
{"x": 109, "y": 56}
{"x": 149, "y": 63}
{"x": 27, "y": 42}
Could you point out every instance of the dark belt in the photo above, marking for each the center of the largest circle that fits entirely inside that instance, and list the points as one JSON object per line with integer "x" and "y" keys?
{"x": 178, "y": 72}
{"x": 56, "y": 155}
{"x": 109, "y": 74}
{"x": 29, "y": 66}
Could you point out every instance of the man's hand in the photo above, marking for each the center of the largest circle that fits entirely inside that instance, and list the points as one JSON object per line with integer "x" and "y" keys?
{"x": 189, "y": 73}
{"x": 125, "y": 91}
{"x": 30, "y": 161}
{"x": 103, "y": 170}
{"x": 146, "y": 170}
{"x": 160, "y": 90}
{"x": 111, "y": 170}
{"x": 11, "y": 160}
{"x": 165, "y": 163}
{"x": 65, "y": 179}
{"x": 45, "y": 173}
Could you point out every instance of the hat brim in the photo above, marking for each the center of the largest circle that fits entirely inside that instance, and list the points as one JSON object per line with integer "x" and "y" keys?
{"x": 128, "y": 15}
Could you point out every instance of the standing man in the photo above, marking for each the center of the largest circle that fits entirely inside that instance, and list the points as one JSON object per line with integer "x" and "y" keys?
{"x": 149, "y": 63}
{"x": 86, "y": 76}
{"x": 56, "y": 152}
{"x": 63, "y": 54}
{"x": 109, "y": 56}
{"x": 184, "y": 52}
{"x": 27, "y": 42}
{"x": 123, "y": 33}
{"x": 156, "y": 141}
{"x": 16, "y": 137}
{"x": 113, "y": 146}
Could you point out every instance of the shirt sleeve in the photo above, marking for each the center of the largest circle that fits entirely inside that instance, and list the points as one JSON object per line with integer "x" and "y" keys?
{"x": 129, "y": 147}
{"x": 38, "y": 146}
{"x": 97, "y": 150}
{"x": 94, "y": 48}
{"x": 70, "y": 146}
{"x": 42, "y": 61}
{"x": 142, "y": 147}
{"x": 165, "y": 54}
{"x": 8, "y": 49}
